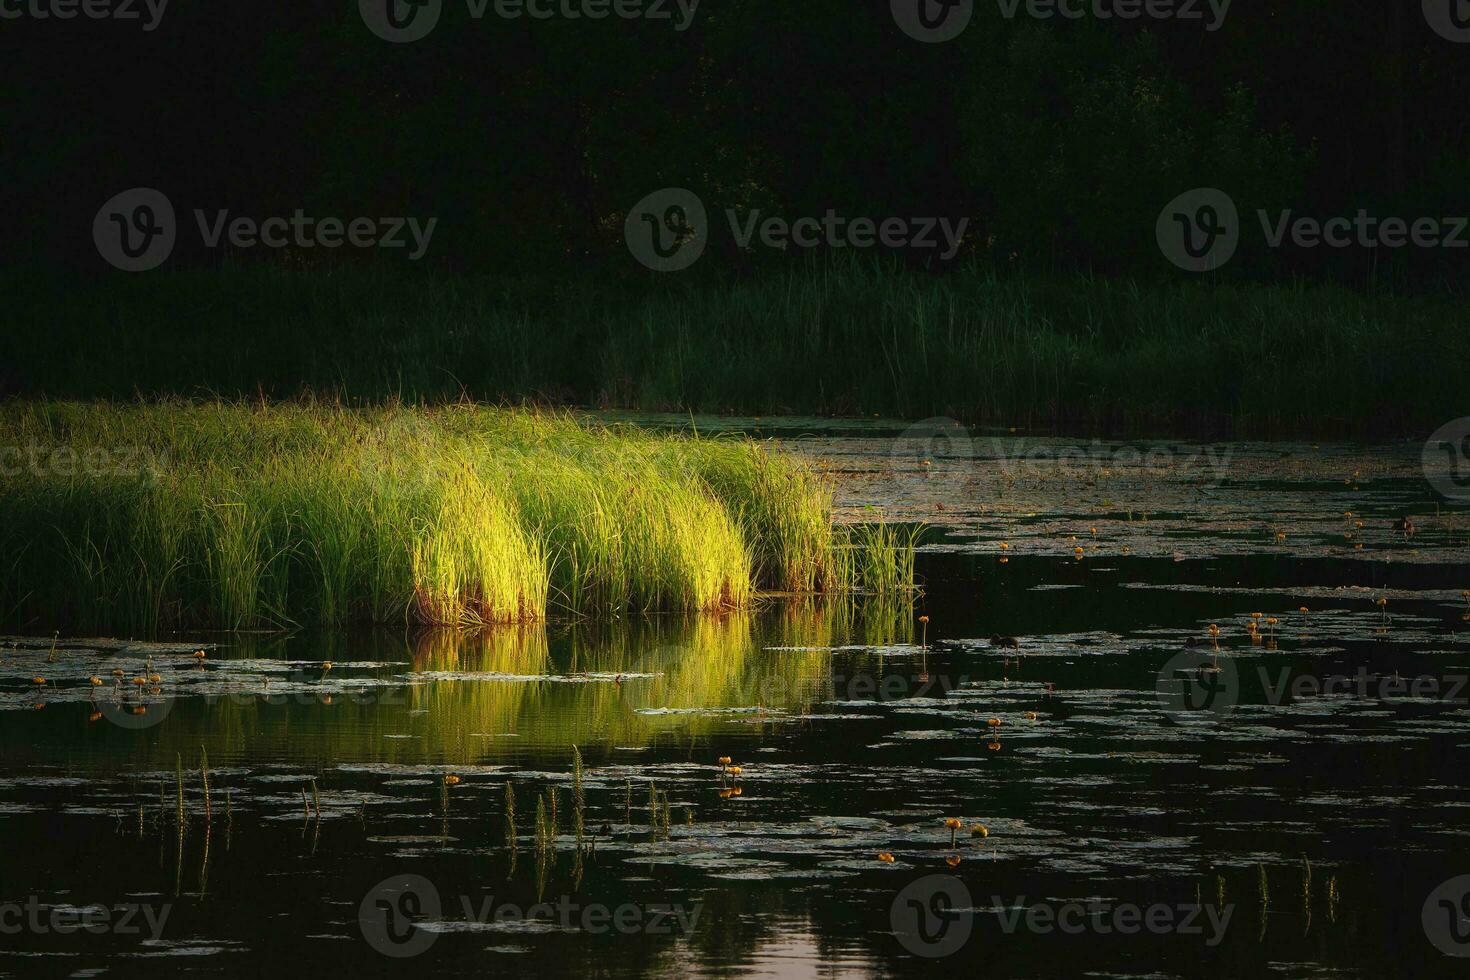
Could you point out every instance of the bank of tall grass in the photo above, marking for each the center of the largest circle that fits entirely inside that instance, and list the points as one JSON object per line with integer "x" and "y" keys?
{"x": 141, "y": 517}
{"x": 1188, "y": 356}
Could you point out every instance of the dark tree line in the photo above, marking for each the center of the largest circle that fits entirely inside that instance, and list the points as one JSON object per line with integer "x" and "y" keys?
{"x": 1060, "y": 140}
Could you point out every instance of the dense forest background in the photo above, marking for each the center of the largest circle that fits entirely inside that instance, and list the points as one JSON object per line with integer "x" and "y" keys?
{"x": 529, "y": 140}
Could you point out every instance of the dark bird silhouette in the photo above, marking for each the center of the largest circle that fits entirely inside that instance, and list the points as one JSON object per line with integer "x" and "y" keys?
{"x": 1405, "y": 526}
{"x": 1010, "y": 642}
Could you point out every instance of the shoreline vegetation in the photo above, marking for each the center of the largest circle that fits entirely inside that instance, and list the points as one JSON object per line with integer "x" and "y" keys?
{"x": 1077, "y": 355}
{"x": 151, "y": 516}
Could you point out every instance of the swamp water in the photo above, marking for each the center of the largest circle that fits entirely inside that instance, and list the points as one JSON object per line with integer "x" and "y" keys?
{"x": 1289, "y": 800}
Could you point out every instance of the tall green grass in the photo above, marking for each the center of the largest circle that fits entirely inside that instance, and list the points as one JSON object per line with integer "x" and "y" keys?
{"x": 1197, "y": 356}
{"x": 148, "y": 516}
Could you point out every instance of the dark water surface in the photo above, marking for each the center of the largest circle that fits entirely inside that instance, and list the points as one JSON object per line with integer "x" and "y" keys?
{"x": 1156, "y": 802}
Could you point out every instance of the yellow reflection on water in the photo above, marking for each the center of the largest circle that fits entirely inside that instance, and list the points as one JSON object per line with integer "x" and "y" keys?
{"x": 500, "y": 694}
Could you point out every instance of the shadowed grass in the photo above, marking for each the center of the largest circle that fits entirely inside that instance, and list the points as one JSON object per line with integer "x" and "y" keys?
{"x": 142, "y": 517}
{"x": 836, "y": 336}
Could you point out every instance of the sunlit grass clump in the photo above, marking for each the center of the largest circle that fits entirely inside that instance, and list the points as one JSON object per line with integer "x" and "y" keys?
{"x": 144, "y": 517}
